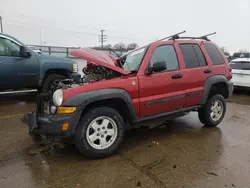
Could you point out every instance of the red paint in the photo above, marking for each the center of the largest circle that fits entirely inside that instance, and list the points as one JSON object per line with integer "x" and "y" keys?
{"x": 156, "y": 86}
{"x": 98, "y": 57}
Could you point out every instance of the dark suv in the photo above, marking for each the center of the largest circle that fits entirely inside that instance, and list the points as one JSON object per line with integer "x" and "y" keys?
{"x": 166, "y": 78}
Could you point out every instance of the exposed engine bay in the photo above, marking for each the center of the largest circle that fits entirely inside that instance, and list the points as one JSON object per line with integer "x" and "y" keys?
{"x": 92, "y": 73}
{"x": 97, "y": 73}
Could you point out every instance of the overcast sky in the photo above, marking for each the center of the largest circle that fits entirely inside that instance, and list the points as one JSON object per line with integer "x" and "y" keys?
{"x": 78, "y": 22}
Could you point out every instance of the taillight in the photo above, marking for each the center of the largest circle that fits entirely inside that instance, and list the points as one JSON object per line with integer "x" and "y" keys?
{"x": 229, "y": 77}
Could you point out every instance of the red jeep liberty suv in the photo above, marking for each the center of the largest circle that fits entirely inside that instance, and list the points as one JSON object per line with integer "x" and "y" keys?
{"x": 166, "y": 78}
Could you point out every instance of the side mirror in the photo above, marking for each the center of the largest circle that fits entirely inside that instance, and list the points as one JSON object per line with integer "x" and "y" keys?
{"x": 24, "y": 52}
{"x": 157, "y": 67}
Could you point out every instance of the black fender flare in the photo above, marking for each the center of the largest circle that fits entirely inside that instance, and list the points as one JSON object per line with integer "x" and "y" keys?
{"x": 86, "y": 98}
{"x": 208, "y": 85}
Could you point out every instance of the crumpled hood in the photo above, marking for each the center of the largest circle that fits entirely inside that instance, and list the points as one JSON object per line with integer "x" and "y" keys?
{"x": 98, "y": 57}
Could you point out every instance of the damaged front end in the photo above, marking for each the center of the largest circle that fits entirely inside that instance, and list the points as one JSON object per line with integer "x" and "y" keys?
{"x": 50, "y": 118}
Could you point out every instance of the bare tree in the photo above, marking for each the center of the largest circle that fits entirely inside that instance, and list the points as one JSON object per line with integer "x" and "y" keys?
{"x": 109, "y": 46}
{"x": 243, "y": 51}
{"x": 120, "y": 46}
{"x": 132, "y": 46}
{"x": 224, "y": 50}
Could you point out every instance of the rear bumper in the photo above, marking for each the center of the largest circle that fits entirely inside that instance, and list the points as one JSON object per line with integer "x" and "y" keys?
{"x": 241, "y": 78}
{"x": 241, "y": 83}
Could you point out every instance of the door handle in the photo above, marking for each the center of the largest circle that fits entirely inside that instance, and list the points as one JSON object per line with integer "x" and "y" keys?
{"x": 207, "y": 71}
{"x": 0, "y": 62}
{"x": 177, "y": 76}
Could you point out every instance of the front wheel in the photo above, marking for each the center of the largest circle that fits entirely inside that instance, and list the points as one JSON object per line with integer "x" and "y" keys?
{"x": 100, "y": 132}
{"x": 213, "y": 112}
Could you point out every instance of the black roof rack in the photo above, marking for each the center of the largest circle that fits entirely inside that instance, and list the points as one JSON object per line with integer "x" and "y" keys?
{"x": 204, "y": 37}
{"x": 176, "y": 36}
{"x": 172, "y": 36}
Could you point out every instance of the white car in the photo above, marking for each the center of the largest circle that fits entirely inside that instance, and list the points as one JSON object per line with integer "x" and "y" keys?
{"x": 241, "y": 72}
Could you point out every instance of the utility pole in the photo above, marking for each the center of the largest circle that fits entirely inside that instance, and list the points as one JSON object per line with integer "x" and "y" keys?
{"x": 41, "y": 35}
{"x": 102, "y": 38}
{"x": 1, "y": 24}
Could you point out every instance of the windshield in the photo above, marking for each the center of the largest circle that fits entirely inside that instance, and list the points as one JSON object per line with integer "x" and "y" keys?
{"x": 133, "y": 60}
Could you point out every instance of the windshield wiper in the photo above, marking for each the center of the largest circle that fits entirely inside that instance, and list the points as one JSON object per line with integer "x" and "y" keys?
{"x": 114, "y": 52}
{"x": 134, "y": 72}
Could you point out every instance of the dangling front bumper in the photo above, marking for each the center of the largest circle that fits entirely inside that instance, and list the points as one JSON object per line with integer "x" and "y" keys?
{"x": 44, "y": 123}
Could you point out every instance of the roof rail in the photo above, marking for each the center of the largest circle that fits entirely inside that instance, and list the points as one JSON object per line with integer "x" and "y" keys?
{"x": 204, "y": 37}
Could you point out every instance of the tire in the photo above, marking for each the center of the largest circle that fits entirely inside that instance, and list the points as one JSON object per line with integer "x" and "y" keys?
{"x": 94, "y": 150}
{"x": 50, "y": 80}
{"x": 205, "y": 112}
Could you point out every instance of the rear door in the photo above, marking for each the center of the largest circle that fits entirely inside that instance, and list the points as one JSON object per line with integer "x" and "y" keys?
{"x": 162, "y": 91}
{"x": 195, "y": 73}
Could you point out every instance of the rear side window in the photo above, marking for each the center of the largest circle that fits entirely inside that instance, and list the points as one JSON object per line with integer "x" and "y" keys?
{"x": 200, "y": 56}
{"x": 241, "y": 55}
{"x": 193, "y": 55}
{"x": 214, "y": 54}
{"x": 242, "y": 65}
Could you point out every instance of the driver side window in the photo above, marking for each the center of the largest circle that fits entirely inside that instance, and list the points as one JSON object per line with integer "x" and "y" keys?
{"x": 165, "y": 53}
{"x": 9, "y": 48}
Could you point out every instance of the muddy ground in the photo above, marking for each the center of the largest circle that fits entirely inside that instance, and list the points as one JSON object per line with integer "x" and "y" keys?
{"x": 182, "y": 155}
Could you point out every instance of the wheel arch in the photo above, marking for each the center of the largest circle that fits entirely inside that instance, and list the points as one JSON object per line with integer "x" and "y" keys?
{"x": 118, "y": 99}
{"x": 215, "y": 85}
{"x": 48, "y": 72}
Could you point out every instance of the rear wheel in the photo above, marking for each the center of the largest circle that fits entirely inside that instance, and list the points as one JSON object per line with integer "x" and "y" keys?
{"x": 213, "y": 112}
{"x": 50, "y": 81}
{"x": 100, "y": 132}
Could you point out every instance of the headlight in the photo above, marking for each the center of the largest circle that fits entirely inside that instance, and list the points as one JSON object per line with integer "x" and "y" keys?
{"x": 58, "y": 97}
{"x": 75, "y": 67}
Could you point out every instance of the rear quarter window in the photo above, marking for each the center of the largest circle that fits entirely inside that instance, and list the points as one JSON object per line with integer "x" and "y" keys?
{"x": 241, "y": 65}
{"x": 214, "y": 54}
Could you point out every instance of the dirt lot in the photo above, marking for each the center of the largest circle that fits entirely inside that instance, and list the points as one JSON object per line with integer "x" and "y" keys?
{"x": 186, "y": 155}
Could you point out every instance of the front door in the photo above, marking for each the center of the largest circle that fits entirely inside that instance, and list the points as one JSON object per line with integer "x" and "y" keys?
{"x": 162, "y": 91}
{"x": 16, "y": 72}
